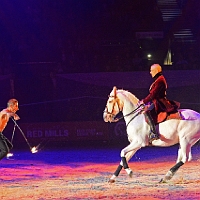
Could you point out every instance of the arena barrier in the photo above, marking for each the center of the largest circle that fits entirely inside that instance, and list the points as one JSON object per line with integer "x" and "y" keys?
{"x": 58, "y": 131}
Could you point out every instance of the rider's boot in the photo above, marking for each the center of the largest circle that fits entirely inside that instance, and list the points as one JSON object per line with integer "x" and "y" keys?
{"x": 153, "y": 133}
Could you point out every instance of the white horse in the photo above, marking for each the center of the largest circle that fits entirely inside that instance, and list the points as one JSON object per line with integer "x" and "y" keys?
{"x": 186, "y": 131}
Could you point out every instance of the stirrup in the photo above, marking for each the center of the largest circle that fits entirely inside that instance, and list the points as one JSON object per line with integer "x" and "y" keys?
{"x": 153, "y": 136}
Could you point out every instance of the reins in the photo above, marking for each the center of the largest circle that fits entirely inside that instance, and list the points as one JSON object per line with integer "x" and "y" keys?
{"x": 132, "y": 112}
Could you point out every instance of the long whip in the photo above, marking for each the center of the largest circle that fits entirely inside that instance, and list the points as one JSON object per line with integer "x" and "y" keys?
{"x": 13, "y": 133}
{"x": 33, "y": 149}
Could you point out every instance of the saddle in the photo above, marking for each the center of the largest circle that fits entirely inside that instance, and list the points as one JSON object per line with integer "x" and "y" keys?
{"x": 163, "y": 116}
{"x": 167, "y": 109}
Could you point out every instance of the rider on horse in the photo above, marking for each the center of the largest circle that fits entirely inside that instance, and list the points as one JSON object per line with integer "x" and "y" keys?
{"x": 159, "y": 106}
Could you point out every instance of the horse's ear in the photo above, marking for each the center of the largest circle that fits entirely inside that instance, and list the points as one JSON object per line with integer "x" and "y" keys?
{"x": 115, "y": 91}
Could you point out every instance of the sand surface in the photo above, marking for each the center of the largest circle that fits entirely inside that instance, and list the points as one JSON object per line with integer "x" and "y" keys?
{"x": 84, "y": 174}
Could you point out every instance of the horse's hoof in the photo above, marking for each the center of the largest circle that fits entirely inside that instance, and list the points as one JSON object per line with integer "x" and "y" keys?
{"x": 131, "y": 174}
{"x": 167, "y": 177}
{"x": 111, "y": 181}
{"x": 162, "y": 181}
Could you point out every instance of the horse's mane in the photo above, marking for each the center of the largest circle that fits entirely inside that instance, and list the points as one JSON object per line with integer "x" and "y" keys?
{"x": 129, "y": 95}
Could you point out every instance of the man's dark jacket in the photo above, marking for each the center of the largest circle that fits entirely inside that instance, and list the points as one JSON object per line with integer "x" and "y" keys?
{"x": 157, "y": 95}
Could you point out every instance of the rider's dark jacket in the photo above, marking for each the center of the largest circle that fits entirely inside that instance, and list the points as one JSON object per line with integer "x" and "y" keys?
{"x": 157, "y": 95}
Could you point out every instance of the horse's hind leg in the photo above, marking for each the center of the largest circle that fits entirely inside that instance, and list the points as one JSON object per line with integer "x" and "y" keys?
{"x": 180, "y": 155}
{"x": 184, "y": 154}
{"x": 179, "y": 158}
{"x": 171, "y": 172}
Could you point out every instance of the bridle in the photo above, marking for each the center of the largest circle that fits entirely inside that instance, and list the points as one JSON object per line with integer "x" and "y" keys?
{"x": 111, "y": 112}
{"x": 140, "y": 108}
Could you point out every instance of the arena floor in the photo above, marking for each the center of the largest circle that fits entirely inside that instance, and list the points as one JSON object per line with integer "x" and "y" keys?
{"x": 83, "y": 174}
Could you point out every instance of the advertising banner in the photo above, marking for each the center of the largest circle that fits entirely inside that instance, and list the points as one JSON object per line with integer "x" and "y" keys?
{"x": 60, "y": 131}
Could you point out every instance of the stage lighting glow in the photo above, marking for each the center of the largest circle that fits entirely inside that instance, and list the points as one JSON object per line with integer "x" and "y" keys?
{"x": 34, "y": 150}
{"x": 9, "y": 155}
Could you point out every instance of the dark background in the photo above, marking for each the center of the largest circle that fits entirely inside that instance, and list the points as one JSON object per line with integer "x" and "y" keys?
{"x": 43, "y": 39}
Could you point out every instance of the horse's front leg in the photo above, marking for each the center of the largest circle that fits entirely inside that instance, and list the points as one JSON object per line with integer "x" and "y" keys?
{"x": 131, "y": 147}
{"x": 120, "y": 166}
{"x": 126, "y": 154}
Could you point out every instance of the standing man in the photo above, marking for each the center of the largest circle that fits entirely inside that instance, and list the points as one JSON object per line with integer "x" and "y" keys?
{"x": 5, "y": 114}
{"x": 159, "y": 105}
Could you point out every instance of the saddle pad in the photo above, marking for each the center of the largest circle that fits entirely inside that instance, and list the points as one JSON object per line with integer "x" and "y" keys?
{"x": 176, "y": 115}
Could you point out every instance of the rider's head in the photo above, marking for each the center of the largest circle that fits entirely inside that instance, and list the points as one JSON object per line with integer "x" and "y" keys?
{"x": 155, "y": 68}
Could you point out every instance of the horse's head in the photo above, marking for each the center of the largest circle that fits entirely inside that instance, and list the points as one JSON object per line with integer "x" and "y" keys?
{"x": 120, "y": 100}
{"x": 113, "y": 106}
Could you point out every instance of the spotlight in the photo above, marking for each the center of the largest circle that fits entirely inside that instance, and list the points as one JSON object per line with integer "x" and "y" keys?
{"x": 9, "y": 155}
{"x": 34, "y": 150}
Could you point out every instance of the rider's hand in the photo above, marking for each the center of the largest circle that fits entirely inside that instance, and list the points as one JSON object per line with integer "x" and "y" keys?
{"x": 140, "y": 103}
{"x": 16, "y": 117}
